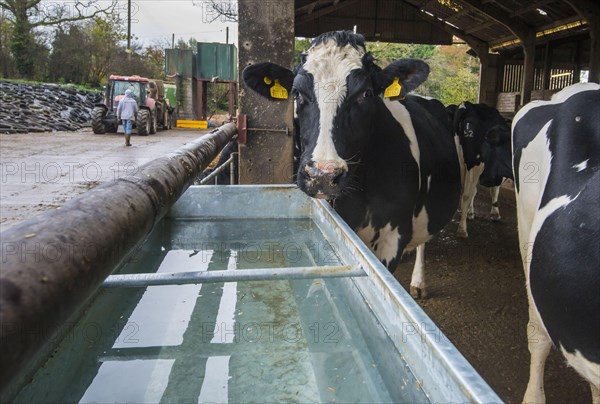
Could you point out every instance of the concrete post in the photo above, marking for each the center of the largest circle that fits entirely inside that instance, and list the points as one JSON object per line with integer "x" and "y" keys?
{"x": 528, "y": 68}
{"x": 266, "y": 34}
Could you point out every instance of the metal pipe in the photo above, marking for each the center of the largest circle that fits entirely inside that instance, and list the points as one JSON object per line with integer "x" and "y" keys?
{"x": 232, "y": 170}
{"x": 55, "y": 261}
{"x": 216, "y": 172}
{"x": 219, "y": 170}
{"x": 184, "y": 278}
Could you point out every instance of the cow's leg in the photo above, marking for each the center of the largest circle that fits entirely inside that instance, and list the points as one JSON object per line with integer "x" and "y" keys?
{"x": 539, "y": 345}
{"x": 471, "y": 212}
{"x": 466, "y": 200}
{"x": 418, "y": 289}
{"x": 495, "y": 213}
{"x": 595, "y": 394}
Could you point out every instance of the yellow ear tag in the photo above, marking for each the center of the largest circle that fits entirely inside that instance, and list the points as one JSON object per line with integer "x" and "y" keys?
{"x": 393, "y": 89}
{"x": 267, "y": 80}
{"x": 278, "y": 91}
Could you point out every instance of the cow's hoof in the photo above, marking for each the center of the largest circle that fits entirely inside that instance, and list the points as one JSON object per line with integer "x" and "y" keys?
{"x": 418, "y": 292}
{"x": 460, "y": 233}
{"x": 470, "y": 215}
{"x": 495, "y": 217}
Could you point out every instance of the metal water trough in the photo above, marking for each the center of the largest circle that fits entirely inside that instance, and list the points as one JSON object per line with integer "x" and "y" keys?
{"x": 371, "y": 294}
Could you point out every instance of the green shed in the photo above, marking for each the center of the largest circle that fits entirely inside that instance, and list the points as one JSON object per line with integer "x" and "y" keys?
{"x": 216, "y": 60}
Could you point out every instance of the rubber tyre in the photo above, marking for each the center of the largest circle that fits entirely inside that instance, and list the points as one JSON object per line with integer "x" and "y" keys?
{"x": 143, "y": 122}
{"x": 98, "y": 114}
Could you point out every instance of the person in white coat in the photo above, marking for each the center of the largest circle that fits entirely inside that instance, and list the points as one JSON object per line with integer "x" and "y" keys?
{"x": 127, "y": 111}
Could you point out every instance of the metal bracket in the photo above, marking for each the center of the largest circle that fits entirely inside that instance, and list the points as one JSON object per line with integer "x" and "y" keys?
{"x": 243, "y": 129}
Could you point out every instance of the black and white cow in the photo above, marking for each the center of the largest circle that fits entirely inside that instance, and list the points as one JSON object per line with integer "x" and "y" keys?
{"x": 485, "y": 155}
{"x": 556, "y": 162}
{"x": 390, "y": 166}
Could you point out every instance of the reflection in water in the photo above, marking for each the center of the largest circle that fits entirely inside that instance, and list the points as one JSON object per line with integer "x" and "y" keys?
{"x": 135, "y": 381}
{"x": 260, "y": 341}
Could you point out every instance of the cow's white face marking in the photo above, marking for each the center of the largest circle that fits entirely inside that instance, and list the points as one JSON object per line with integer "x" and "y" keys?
{"x": 330, "y": 65}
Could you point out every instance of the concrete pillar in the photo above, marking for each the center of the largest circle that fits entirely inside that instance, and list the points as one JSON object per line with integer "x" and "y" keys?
{"x": 201, "y": 99}
{"x": 488, "y": 76}
{"x": 528, "y": 67}
{"x": 232, "y": 98}
{"x": 266, "y": 34}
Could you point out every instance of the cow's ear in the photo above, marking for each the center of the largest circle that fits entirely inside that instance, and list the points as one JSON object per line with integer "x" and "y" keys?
{"x": 408, "y": 73}
{"x": 460, "y": 112}
{"x": 269, "y": 80}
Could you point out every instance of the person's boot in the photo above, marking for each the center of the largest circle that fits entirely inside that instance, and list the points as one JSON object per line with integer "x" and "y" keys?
{"x": 127, "y": 138}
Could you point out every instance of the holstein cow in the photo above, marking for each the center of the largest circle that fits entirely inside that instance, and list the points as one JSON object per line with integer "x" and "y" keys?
{"x": 388, "y": 164}
{"x": 484, "y": 152}
{"x": 556, "y": 162}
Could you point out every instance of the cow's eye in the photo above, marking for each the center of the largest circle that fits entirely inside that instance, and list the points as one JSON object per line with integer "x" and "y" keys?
{"x": 368, "y": 93}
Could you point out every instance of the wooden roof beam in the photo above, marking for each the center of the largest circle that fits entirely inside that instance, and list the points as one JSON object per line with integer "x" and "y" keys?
{"x": 530, "y": 7}
{"x": 521, "y": 30}
{"x": 337, "y": 5}
{"x": 479, "y": 46}
{"x": 590, "y": 11}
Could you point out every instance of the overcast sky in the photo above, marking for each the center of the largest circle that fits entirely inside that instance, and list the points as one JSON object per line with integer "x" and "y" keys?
{"x": 153, "y": 20}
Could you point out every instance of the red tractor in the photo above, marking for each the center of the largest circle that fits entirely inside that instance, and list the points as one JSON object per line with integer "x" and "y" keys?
{"x": 154, "y": 109}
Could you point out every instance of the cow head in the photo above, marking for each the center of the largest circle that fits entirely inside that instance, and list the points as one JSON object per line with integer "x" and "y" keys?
{"x": 337, "y": 89}
{"x": 485, "y": 138}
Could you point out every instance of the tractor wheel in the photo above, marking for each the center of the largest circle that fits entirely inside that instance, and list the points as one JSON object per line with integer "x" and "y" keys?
{"x": 98, "y": 114}
{"x": 143, "y": 122}
{"x": 153, "y": 123}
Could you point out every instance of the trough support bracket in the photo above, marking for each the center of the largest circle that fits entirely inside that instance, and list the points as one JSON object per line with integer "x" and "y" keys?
{"x": 243, "y": 129}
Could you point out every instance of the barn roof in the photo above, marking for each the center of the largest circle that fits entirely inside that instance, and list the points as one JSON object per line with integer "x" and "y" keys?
{"x": 499, "y": 24}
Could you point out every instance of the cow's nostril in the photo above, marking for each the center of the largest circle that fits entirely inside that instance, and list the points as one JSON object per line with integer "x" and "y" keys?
{"x": 326, "y": 167}
{"x": 324, "y": 178}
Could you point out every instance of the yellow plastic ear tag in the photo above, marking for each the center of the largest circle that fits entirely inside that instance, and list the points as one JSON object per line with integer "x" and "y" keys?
{"x": 267, "y": 80}
{"x": 278, "y": 91}
{"x": 393, "y": 90}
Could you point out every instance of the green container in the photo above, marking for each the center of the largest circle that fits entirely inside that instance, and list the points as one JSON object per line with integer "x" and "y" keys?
{"x": 179, "y": 62}
{"x": 171, "y": 94}
{"x": 216, "y": 60}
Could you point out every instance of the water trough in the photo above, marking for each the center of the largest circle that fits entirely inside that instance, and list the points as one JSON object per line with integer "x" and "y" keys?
{"x": 253, "y": 294}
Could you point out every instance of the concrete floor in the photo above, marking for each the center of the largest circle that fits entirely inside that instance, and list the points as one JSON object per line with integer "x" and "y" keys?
{"x": 40, "y": 171}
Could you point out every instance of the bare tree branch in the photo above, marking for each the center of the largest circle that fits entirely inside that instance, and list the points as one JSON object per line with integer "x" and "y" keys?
{"x": 225, "y": 10}
{"x": 54, "y": 13}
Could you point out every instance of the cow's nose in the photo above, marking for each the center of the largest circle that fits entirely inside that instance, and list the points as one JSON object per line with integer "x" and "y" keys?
{"x": 324, "y": 173}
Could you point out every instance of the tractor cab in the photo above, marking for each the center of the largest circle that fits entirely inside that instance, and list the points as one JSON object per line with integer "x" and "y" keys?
{"x": 116, "y": 86}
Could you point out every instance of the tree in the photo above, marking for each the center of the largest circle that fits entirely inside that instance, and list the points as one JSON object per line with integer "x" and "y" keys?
{"x": 26, "y": 15}
{"x": 71, "y": 59}
{"x": 105, "y": 34}
{"x": 301, "y": 45}
{"x": 385, "y": 53}
{"x": 7, "y": 63}
{"x": 453, "y": 77}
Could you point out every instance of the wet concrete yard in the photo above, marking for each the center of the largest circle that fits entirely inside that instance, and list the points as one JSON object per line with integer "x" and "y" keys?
{"x": 40, "y": 171}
